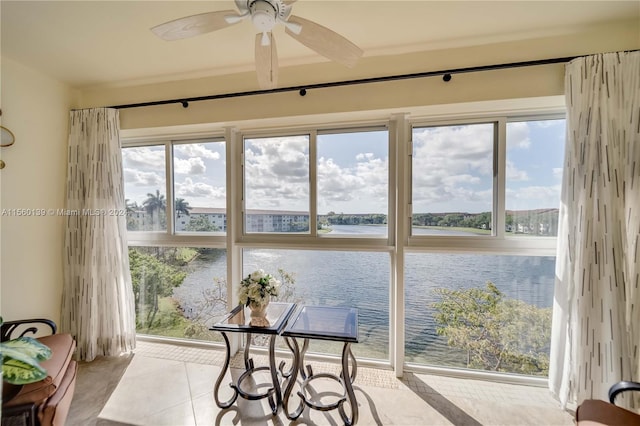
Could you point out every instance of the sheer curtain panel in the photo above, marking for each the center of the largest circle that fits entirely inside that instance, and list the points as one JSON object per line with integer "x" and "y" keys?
{"x": 596, "y": 322}
{"x": 97, "y": 300}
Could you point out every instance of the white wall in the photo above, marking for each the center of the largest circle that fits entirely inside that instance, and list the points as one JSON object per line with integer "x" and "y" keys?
{"x": 527, "y": 82}
{"x": 36, "y": 109}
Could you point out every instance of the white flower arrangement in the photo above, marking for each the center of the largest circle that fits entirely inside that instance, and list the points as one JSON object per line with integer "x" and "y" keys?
{"x": 258, "y": 287}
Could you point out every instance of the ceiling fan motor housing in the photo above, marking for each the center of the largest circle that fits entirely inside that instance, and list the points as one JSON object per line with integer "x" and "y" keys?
{"x": 263, "y": 15}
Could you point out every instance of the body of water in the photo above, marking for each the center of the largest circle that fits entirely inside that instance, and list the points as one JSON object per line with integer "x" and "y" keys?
{"x": 362, "y": 279}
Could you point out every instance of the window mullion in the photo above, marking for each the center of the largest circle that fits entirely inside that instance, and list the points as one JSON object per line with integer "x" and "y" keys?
{"x": 313, "y": 183}
{"x": 499, "y": 187}
{"x": 169, "y": 202}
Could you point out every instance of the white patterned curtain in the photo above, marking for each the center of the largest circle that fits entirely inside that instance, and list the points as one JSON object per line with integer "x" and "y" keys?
{"x": 596, "y": 320}
{"x": 97, "y": 301}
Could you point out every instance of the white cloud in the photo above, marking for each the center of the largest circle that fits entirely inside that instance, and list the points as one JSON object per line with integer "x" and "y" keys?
{"x": 518, "y": 135}
{"x": 360, "y": 188}
{"x": 144, "y": 158}
{"x": 209, "y": 195}
{"x": 513, "y": 174}
{"x": 557, "y": 172}
{"x": 140, "y": 178}
{"x": 548, "y": 123}
{"x": 195, "y": 150}
{"x": 190, "y": 166}
{"x": 277, "y": 173}
{"x": 453, "y": 166}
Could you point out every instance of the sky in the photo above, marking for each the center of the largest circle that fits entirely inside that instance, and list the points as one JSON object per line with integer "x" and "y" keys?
{"x": 453, "y": 167}
{"x": 452, "y": 170}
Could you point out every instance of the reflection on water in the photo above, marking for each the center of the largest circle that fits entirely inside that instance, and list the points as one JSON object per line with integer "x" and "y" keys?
{"x": 361, "y": 279}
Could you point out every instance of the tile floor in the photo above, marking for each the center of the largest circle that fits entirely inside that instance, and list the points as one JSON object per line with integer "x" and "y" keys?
{"x": 162, "y": 384}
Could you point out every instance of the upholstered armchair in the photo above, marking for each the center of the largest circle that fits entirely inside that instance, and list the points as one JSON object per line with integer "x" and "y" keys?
{"x": 46, "y": 402}
{"x": 594, "y": 412}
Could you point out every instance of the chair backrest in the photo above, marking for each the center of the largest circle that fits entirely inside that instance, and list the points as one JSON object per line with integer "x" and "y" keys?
{"x": 34, "y": 327}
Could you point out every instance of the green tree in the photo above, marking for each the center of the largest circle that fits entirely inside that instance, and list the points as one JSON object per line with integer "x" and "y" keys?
{"x": 155, "y": 205}
{"x": 497, "y": 333}
{"x": 182, "y": 206}
{"x": 132, "y": 208}
{"x": 200, "y": 224}
{"x": 151, "y": 279}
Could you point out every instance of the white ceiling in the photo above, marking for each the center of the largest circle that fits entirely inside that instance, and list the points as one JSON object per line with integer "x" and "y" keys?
{"x": 92, "y": 43}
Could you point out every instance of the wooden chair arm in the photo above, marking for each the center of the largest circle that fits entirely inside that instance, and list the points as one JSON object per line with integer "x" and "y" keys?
{"x": 25, "y": 414}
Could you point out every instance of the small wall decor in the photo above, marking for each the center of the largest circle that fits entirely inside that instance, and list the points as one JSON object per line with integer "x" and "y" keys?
{"x": 7, "y": 138}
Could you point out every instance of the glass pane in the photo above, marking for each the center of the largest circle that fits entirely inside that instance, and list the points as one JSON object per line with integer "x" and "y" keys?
{"x": 483, "y": 312}
{"x": 276, "y": 184}
{"x": 145, "y": 188}
{"x": 353, "y": 183}
{"x": 334, "y": 278}
{"x": 200, "y": 187}
{"x": 535, "y": 158}
{"x": 179, "y": 291}
{"x": 452, "y": 180}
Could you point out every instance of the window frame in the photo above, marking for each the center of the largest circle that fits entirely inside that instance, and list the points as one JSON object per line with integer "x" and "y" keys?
{"x": 497, "y": 242}
{"x": 169, "y": 237}
{"x": 313, "y": 239}
{"x": 399, "y": 240}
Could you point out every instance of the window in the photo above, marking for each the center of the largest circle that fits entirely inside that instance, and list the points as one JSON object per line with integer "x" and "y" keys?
{"x": 334, "y": 278}
{"x": 179, "y": 278}
{"x": 276, "y": 184}
{"x": 347, "y": 189}
{"x": 145, "y": 187}
{"x": 353, "y": 183}
{"x": 472, "y": 206}
{"x": 535, "y": 156}
{"x": 479, "y": 311}
{"x": 452, "y": 179}
{"x": 468, "y": 304}
{"x": 199, "y": 185}
{"x": 179, "y": 291}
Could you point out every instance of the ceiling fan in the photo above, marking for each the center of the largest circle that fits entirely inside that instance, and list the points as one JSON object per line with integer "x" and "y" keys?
{"x": 265, "y": 15}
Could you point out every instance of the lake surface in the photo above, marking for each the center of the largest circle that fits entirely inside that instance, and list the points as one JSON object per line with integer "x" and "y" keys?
{"x": 362, "y": 279}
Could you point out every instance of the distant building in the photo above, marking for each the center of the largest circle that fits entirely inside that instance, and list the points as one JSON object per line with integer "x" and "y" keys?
{"x": 215, "y": 216}
{"x": 257, "y": 220}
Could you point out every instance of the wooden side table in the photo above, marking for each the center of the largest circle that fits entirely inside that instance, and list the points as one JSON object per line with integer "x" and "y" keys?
{"x": 324, "y": 323}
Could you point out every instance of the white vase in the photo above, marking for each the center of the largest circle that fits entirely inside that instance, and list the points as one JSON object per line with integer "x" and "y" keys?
{"x": 259, "y": 314}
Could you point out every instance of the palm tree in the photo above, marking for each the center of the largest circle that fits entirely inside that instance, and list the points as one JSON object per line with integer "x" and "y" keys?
{"x": 132, "y": 207}
{"x": 182, "y": 206}
{"x": 155, "y": 203}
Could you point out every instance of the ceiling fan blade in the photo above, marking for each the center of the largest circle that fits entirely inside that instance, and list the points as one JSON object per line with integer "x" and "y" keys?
{"x": 242, "y": 5}
{"x": 266, "y": 62}
{"x": 326, "y": 42}
{"x": 194, "y": 25}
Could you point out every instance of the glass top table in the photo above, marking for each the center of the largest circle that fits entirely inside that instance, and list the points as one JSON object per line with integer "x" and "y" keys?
{"x": 237, "y": 321}
{"x": 324, "y": 323}
{"x": 338, "y": 324}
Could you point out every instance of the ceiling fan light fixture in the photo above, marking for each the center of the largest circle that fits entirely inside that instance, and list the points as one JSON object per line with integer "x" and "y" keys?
{"x": 263, "y": 15}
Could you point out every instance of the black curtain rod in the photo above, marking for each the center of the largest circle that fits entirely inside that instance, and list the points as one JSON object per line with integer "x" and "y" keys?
{"x": 303, "y": 89}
